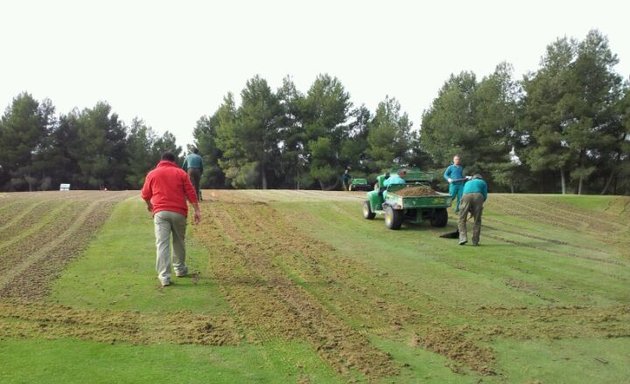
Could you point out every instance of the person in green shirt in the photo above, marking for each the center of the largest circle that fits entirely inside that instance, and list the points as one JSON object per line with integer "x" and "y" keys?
{"x": 454, "y": 175}
{"x": 395, "y": 179}
{"x": 474, "y": 195}
{"x": 193, "y": 165}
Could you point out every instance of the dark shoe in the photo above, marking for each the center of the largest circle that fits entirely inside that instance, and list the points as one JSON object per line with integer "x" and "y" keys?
{"x": 181, "y": 274}
{"x": 463, "y": 242}
{"x": 475, "y": 244}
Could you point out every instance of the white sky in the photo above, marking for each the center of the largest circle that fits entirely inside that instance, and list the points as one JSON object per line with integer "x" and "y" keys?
{"x": 171, "y": 62}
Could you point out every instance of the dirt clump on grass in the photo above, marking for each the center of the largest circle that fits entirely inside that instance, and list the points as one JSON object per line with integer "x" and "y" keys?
{"x": 457, "y": 346}
{"x": 256, "y": 246}
{"x": 281, "y": 282}
{"x": 43, "y": 233}
{"x": 51, "y": 321}
{"x": 554, "y": 322}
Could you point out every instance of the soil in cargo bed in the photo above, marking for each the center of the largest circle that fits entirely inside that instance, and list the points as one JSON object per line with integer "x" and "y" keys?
{"x": 416, "y": 191}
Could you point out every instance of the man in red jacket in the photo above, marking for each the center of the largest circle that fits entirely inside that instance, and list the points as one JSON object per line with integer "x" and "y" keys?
{"x": 165, "y": 190}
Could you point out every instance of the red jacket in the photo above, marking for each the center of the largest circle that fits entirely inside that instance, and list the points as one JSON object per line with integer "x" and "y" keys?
{"x": 168, "y": 187}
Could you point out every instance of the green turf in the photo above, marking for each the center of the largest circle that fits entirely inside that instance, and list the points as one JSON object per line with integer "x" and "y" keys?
{"x": 535, "y": 272}
{"x": 602, "y": 361}
{"x": 118, "y": 271}
{"x": 525, "y": 262}
{"x": 421, "y": 366}
{"x": 70, "y": 361}
{"x": 469, "y": 276}
{"x": 588, "y": 202}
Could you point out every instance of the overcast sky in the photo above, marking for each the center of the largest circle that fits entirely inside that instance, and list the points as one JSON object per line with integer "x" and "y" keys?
{"x": 171, "y": 62}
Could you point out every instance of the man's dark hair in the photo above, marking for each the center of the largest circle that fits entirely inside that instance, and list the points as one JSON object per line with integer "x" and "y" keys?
{"x": 168, "y": 156}
{"x": 195, "y": 150}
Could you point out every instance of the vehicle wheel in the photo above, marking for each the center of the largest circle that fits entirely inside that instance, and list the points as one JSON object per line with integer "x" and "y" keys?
{"x": 393, "y": 218}
{"x": 367, "y": 211}
{"x": 440, "y": 218}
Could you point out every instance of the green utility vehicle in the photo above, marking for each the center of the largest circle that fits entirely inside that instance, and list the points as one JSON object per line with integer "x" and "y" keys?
{"x": 414, "y": 202}
{"x": 359, "y": 184}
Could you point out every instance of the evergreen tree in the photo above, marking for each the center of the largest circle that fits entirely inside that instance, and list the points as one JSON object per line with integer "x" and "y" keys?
{"x": 102, "y": 155}
{"x": 570, "y": 108}
{"x": 64, "y": 141}
{"x": 355, "y": 146}
{"x": 325, "y": 111}
{"x": 205, "y": 135}
{"x": 496, "y": 114}
{"x": 449, "y": 125}
{"x": 389, "y": 136}
{"x": 292, "y": 137}
{"x": 257, "y": 129}
{"x": 546, "y": 92}
{"x": 142, "y": 154}
{"x": 168, "y": 143}
{"x": 238, "y": 172}
{"x": 617, "y": 158}
{"x": 595, "y": 129}
{"x": 24, "y": 129}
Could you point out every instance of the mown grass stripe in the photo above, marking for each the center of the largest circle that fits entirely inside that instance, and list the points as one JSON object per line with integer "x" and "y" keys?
{"x": 45, "y": 221}
{"x": 34, "y": 257}
{"x": 19, "y": 215}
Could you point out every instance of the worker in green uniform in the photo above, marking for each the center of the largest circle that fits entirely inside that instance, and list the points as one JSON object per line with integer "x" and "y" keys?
{"x": 346, "y": 179}
{"x": 193, "y": 165}
{"x": 454, "y": 175}
{"x": 474, "y": 195}
{"x": 395, "y": 179}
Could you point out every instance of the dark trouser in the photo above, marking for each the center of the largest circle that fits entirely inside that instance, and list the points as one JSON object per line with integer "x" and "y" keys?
{"x": 473, "y": 203}
{"x": 455, "y": 189}
{"x": 195, "y": 179}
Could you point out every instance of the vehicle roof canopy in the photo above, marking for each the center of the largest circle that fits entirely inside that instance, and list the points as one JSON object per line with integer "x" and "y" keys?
{"x": 412, "y": 175}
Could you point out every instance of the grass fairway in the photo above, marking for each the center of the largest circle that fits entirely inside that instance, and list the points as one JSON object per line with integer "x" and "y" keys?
{"x": 71, "y": 361}
{"x": 295, "y": 286}
{"x": 117, "y": 271}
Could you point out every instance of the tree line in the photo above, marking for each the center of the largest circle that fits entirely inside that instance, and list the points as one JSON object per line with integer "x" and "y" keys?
{"x": 89, "y": 149}
{"x": 562, "y": 128}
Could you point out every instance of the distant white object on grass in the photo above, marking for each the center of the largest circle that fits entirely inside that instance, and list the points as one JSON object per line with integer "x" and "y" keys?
{"x": 64, "y": 187}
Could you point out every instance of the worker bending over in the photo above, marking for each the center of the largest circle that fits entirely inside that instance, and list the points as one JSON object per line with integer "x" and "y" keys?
{"x": 474, "y": 194}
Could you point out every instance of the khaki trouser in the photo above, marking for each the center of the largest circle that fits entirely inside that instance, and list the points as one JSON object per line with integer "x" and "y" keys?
{"x": 473, "y": 203}
{"x": 167, "y": 223}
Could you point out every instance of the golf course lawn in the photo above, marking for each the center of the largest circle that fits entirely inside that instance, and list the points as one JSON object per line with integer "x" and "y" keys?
{"x": 296, "y": 286}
